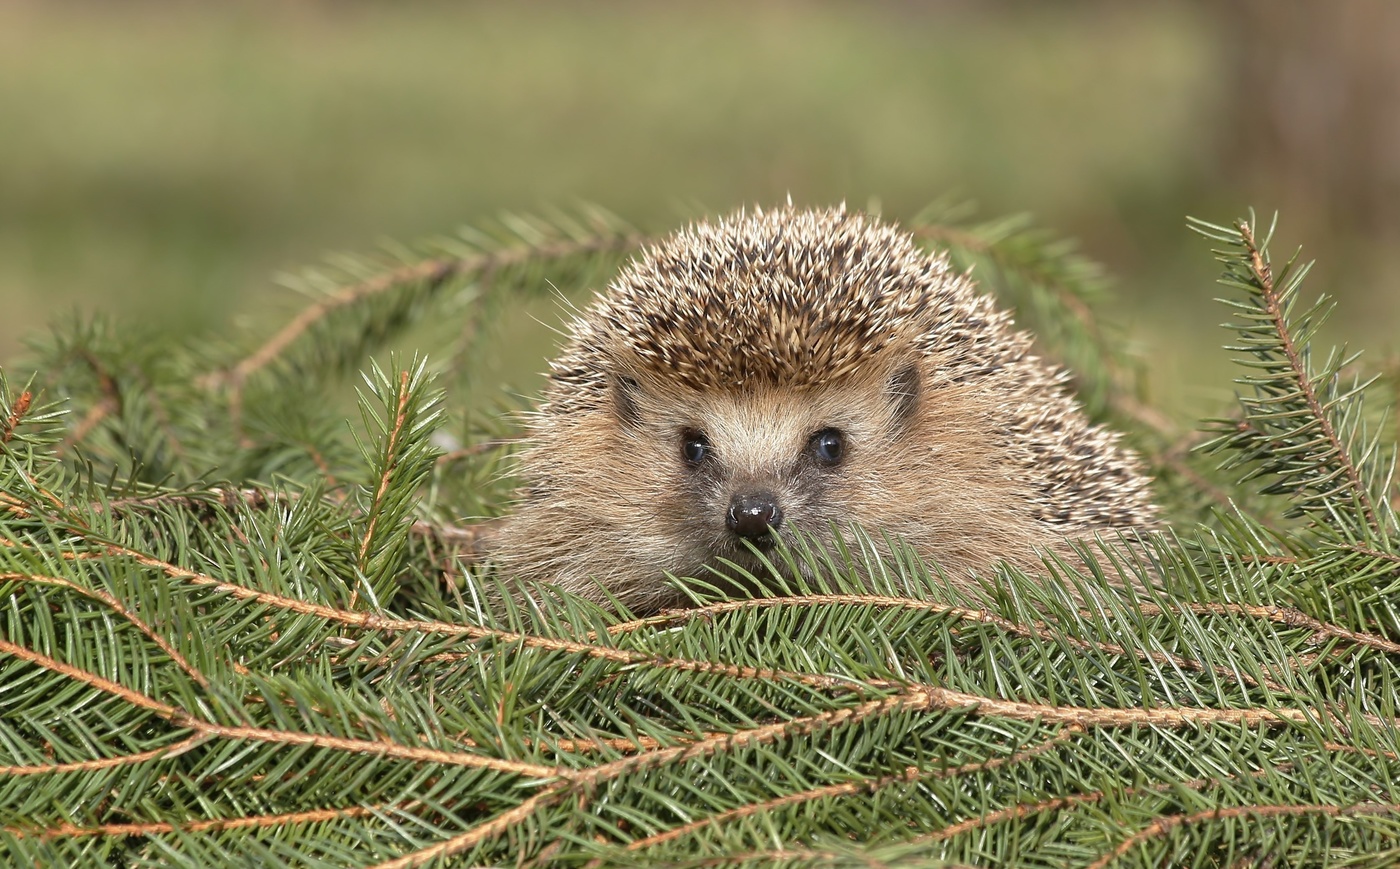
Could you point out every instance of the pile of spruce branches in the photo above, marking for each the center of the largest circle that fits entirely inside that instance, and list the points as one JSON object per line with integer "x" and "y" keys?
{"x": 235, "y": 630}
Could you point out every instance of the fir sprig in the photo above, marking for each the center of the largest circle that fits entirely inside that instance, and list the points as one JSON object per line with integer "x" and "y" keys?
{"x": 1306, "y": 426}
{"x": 1304, "y": 430}
{"x": 1053, "y": 288}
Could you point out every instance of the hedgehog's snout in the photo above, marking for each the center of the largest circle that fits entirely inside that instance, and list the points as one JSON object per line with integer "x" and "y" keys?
{"x": 754, "y": 516}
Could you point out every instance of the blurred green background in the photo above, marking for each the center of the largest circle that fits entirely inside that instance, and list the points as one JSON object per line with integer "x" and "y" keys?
{"x": 162, "y": 161}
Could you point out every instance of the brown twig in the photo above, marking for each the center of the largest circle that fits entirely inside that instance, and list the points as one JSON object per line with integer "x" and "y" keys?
{"x": 470, "y": 539}
{"x": 1023, "y": 810}
{"x": 476, "y": 449}
{"x": 1370, "y": 552}
{"x": 17, "y": 411}
{"x": 162, "y": 418}
{"x": 1279, "y": 615}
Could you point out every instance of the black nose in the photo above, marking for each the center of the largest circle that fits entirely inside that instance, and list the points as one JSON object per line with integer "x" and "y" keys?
{"x": 752, "y": 516}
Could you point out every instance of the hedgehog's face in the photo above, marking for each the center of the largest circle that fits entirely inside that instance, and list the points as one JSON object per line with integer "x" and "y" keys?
{"x": 740, "y": 467}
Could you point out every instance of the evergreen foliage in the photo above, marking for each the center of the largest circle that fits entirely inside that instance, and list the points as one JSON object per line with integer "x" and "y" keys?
{"x": 237, "y": 632}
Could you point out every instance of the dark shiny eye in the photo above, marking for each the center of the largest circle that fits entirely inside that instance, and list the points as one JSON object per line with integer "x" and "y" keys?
{"x": 828, "y": 445}
{"x": 695, "y": 447}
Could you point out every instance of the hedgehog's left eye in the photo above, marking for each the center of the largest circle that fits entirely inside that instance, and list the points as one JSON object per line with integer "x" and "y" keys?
{"x": 828, "y": 445}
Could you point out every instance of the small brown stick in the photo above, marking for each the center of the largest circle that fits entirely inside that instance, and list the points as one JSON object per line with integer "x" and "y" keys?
{"x": 476, "y": 450}
{"x": 98, "y": 412}
{"x": 472, "y": 540}
{"x": 1025, "y": 810}
{"x": 1022, "y": 810}
{"x": 162, "y": 417}
{"x": 1280, "y": 615}
{"x": 17, "y": 411}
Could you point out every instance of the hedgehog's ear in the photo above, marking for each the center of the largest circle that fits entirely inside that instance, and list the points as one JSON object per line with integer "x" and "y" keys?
{"x": 625, "y": 392}
{"x": 903, "y": 391}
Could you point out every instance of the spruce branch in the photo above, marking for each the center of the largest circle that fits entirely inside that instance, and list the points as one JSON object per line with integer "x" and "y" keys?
{"x": 1033, "y": 629}
{"x": 1302, "y": 425}
{"x": 290, "y": 819}
{"x": 110, "y": 403}
{"x": 1056, "y": 292}
{"x": 906, "y": 776}
{"x": 931, "y": 698}
{"x": 1165, "y": 826}
{"x": 28, "y": 421}
{"x": 401, "y": 456}
{"x": 403, "y": 288}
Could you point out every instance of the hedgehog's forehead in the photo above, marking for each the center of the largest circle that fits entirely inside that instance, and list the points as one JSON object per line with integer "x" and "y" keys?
{"x": 794, "y": 299}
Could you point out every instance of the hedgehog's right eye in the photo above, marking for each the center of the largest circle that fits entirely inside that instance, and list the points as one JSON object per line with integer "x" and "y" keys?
{"x": 695, "y": 447}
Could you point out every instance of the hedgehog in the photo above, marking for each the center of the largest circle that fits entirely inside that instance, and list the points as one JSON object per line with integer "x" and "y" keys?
{"x": 786, "y": 370}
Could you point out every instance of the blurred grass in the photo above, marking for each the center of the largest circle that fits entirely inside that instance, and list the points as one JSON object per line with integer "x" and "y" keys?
{"x": 162, "y": 160}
